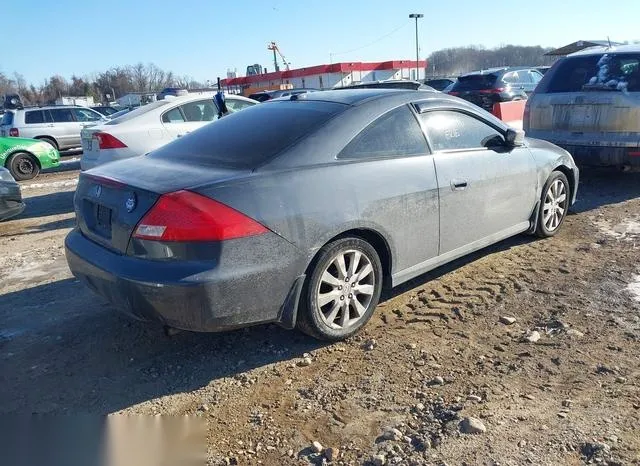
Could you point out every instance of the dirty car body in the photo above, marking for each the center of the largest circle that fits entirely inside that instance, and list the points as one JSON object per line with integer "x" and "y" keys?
{"x": 285, "y": 178}
{"x": 11, "y": 203}
{"x": 589, "y": 104}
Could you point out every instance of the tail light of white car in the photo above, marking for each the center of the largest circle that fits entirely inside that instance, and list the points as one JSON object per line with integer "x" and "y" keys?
{"x": 108, "y": 141}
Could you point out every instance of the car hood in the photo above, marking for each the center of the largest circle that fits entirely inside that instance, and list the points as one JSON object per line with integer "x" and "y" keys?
{"x": 163, "y": 176}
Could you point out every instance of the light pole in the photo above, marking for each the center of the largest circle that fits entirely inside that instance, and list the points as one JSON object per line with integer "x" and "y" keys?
{"x": 417, "y": 16}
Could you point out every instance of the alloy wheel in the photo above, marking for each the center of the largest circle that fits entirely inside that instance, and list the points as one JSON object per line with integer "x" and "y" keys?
{"x": 555, "y": 205}
{"x": 346, "y": 289}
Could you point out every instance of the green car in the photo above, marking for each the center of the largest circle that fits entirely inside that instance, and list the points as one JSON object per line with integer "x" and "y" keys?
{"x": 24, "y": 158}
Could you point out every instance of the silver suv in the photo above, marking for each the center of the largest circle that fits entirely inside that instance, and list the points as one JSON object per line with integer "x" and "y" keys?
{"x": 59, "y": 126}
{"x": 589, "y": 104}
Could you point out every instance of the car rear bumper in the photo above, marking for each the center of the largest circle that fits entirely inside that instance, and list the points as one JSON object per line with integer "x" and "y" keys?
{"x": 203, "y": 296}
{"x": 603, "y": 155}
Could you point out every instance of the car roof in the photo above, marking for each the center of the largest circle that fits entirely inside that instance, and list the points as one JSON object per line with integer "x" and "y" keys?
{"x": 496, "y": 70}
{"x": 358, "y": 96}
{"x": 599, "y": 50}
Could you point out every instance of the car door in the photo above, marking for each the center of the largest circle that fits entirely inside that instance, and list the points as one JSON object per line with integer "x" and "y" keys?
{"x": 392, "y": 177}
{"x": 65, "y": 128}
{"x": 487, "y": 189}
{"x": 36, "y": 124}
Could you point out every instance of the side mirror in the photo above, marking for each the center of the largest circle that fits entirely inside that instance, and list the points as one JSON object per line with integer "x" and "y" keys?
{"x": 515, "y": 137}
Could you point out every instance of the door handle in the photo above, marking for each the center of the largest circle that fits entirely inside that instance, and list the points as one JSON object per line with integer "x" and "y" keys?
{"x": 182, "y": 134}
{"x": 459, "y": 185}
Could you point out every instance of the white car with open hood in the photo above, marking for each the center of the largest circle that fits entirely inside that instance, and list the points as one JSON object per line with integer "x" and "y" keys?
{"x": 151, "y": 126}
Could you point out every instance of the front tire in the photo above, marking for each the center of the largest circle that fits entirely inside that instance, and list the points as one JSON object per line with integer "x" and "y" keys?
{"x": 554, "y": 205}
{"x": 23, "y": 166}
{"x": 341, "y": 291}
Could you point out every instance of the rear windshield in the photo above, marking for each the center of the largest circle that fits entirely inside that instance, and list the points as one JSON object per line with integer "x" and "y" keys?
{"x": 7, "y": 119}
{"x": 248, "y": 138}
{"x": 606, "y": 72}
{"x": 474, "y": 82}
{"x": 138, "y": 111}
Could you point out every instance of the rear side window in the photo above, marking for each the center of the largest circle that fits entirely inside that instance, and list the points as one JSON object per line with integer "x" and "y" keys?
{"x": 396, "y": 133}
{"x": 251, "y": 137}
{"x": 606, "y": 72}
{"x": 7, "y": 119}
{"x": 449, "y": 130}
{"x": 61, "y": 115}
{"x": 475, "y": 82}
{"x": 34, "y": 117}
{"x": 173, "y": 116}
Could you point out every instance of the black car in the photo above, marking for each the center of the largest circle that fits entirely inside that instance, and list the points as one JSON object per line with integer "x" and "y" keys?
{"x": 263, "y": 96}
{"x": 440, "y": 84}
{"x": 390, "y": 84}
{"x": 10, "y": 197}
{"x": 487, "y": 87}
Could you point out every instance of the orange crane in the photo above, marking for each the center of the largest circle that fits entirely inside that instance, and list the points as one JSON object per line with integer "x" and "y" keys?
{"x": 274, "y": 47}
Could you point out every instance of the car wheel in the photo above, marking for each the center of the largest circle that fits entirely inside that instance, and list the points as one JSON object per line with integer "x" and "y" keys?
{"x": 554, "y": 204}
{"x": 342, "y": 290}
{"x": 23, "y": 166}
{"x": 52, "y": 142}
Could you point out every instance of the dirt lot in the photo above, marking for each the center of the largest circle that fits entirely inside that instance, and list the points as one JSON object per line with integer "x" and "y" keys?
{"x": 437, "y": 352}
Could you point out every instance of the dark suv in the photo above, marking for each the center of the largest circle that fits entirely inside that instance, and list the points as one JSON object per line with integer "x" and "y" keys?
{"x": 487, "y": 87}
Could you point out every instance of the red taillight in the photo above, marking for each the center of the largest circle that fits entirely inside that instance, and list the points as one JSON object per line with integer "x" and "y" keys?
{"x": 453, "y": 93}
{"x": 187, "y": 216}
{"x": 108, "y": 141}
{"x": 497, "y": 90}
{"x": 13, "y": 132}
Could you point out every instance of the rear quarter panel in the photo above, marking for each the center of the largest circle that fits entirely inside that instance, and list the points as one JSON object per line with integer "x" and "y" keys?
{"x": 396, "y": 198}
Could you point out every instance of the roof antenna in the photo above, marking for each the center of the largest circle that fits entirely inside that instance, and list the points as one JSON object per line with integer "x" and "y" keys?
{"x": 609, "y": 40}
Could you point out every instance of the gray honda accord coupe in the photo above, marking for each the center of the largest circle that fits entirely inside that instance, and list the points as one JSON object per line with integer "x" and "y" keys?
{"x": 299, "y": 211}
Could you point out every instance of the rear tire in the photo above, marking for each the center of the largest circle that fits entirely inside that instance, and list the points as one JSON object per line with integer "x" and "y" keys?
{"x": 554, "y": 205}
{"x": 341, "y": 291}
{"x": 52, "y": 142}
{"x": 23, "y": 166}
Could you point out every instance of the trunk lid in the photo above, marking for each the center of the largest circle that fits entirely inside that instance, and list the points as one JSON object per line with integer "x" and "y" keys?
{"x": 112, "y": 199}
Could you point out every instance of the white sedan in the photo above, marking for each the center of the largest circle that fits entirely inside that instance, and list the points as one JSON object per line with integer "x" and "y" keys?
{"x": 151, "y": 126}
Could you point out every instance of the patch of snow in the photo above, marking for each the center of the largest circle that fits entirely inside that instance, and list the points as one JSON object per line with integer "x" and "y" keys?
{"x": 52, "y": 184}
{"x": 634, "y": 288}
{"x": 623, "y": 230}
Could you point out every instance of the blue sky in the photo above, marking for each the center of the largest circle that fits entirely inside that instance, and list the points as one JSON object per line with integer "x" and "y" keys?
{"x": 198, "y": 39}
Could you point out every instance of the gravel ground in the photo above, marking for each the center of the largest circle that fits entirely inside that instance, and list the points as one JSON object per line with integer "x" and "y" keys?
{"x": 526, "y": 352}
